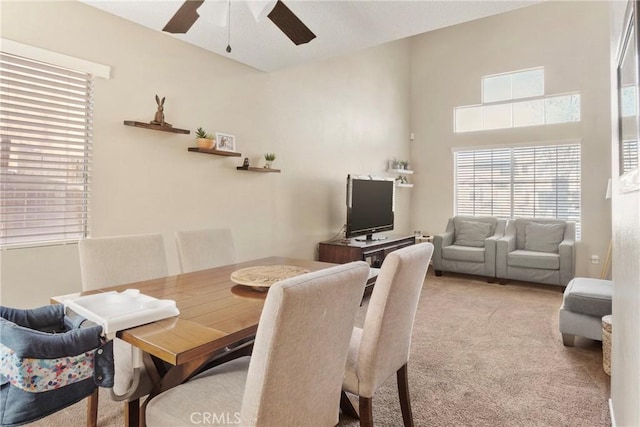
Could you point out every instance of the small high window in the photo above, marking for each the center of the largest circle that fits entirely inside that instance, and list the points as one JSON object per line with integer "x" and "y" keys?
{"x": 516, "y": 99}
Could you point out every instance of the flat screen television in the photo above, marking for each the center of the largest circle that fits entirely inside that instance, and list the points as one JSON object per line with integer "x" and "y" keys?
{"x": 370, "y": 205}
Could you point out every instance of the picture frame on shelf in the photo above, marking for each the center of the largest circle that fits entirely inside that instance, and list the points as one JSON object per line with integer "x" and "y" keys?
{"x": 225, "y": 142}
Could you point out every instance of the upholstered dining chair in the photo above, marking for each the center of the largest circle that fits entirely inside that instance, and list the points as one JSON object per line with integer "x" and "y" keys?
{"x": 111, "y": 261}
{"x": 294, "y": 375}
{"x": 381, "y": 347}
{"x": 207, "y": 248}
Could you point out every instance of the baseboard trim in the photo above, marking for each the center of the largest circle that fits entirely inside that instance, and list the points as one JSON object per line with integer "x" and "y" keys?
{"x": 613, "y": 418}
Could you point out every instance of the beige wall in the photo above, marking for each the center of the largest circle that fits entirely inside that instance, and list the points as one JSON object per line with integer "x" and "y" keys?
{"x": 625, "y": 358}
{"x": 324, "y": 120}
{"x": 570, "y": 39}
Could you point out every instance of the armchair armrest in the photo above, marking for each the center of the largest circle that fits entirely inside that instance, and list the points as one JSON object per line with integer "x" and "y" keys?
{"x": 490, "y": 255}
{"x": 566, "y": 250}
{"x": 504, "y": 245}
{"x": 440, "y": 241}
{"x": 446, "y": 239}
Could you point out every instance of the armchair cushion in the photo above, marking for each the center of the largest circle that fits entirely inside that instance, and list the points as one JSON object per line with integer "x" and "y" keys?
{"x": 543, "y": 237}
{"x": 472, "y": 233}
{"x": 463, "y": 253}
{"x": 533, "y": 259}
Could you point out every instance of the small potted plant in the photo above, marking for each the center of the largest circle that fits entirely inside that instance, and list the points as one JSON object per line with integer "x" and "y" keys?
{"x": 269, "y": 157}
{"x": 205, "y": 140}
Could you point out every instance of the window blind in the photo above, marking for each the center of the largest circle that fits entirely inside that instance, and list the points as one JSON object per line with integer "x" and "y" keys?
{"x": 536, "y": 182}
{"x": 45, "y": 151}
{"x": 483, "y": 183}
{"x": 628, "y": 156}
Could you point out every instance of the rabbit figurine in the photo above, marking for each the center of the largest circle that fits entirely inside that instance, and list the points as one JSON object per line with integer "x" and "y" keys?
{"x": 159, "y": 117}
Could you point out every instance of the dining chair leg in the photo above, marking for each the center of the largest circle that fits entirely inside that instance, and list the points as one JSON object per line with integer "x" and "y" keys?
{"x": 132, "y": 413}
{"x": 92, "y": 409}
{"x": 347, "y": 406}
{"x": 403, "y": 393}
{"x": 366, "y": 411}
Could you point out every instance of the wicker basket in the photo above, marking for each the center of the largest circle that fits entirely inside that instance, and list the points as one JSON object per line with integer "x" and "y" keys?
{"x": 606, "y": 343}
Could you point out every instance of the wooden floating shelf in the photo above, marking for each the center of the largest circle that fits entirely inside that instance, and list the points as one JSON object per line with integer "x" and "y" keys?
{"x": 214, "y": 151}
{"x": 251, "y": 169}
{"x": 156, "y": 127}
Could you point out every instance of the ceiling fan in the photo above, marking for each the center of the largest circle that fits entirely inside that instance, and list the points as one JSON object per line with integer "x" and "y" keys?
{"x": 276, "y": 11}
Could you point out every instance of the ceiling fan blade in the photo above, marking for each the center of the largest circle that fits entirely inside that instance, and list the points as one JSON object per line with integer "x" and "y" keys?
{"x": 290, "y": 25}
{"x": 184, "y": 18}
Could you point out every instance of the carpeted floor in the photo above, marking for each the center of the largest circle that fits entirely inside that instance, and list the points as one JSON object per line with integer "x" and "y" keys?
{"x": 482, "y": 355}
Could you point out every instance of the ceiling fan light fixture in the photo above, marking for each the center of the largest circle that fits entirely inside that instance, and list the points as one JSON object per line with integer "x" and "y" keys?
{"x": 261, "y": 8}
{"x": 214, "y": 12}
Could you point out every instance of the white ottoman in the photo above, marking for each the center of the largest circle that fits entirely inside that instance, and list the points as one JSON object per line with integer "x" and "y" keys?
{"x": 584, "y": 303}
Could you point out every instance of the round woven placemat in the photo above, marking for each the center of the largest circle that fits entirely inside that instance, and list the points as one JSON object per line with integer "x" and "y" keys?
{"x": 265, "y": 275}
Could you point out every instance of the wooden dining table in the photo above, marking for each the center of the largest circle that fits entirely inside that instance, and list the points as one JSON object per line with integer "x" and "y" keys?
{"x": 216, "y": 314}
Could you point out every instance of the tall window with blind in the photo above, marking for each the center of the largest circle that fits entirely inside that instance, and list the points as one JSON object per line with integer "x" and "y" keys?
{"x": 46, "y": 126}
{"x": 535, "y": 182}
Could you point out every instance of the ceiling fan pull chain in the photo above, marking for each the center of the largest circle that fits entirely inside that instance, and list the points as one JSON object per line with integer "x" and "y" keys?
{"x": 229, "y": 28}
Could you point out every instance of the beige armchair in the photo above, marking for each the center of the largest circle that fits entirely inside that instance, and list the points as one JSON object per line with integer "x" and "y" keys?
{"x": 537, "y": 250}
{"x": 468, "y": 246}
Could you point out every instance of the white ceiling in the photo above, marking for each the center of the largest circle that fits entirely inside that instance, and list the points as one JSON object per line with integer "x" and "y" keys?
{"x": 340, "y": 26}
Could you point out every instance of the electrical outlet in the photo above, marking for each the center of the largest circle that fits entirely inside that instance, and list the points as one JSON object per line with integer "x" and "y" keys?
{"x": 595, "y": 259}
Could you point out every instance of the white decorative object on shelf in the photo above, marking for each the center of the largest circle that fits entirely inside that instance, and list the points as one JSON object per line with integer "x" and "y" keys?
{"x": 116, "y": 311}
{"x": 401, "y": 168}
{"x": 403, "y": 171}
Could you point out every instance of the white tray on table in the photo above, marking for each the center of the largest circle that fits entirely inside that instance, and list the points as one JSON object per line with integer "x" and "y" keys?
{"x": 116, "y": 311}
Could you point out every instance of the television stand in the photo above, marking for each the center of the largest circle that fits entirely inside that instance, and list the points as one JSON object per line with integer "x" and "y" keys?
{"x": 373, "y": 252}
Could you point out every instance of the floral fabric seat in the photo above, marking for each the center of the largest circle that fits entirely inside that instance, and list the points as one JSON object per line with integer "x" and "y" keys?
{"x": 48, "y": 361}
